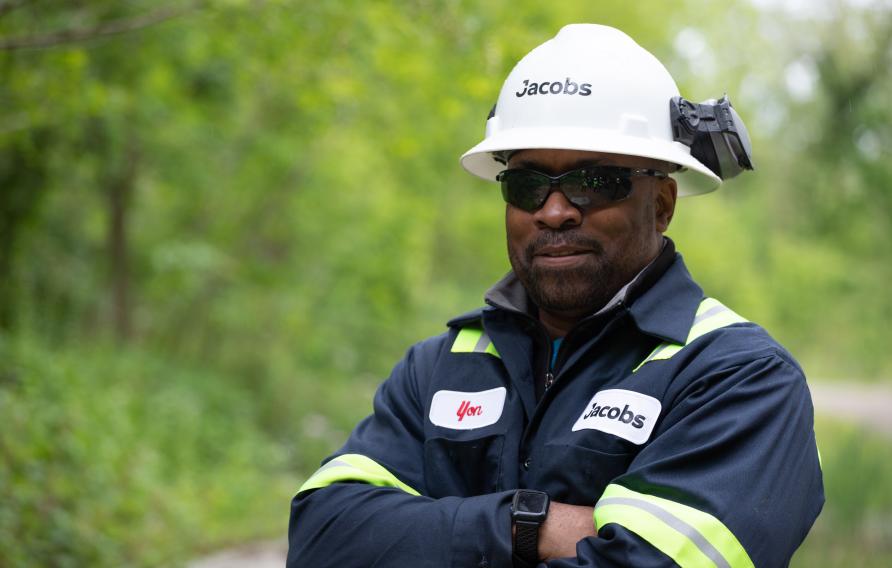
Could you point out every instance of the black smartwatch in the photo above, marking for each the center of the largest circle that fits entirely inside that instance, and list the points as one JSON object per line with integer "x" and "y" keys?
{"x": 528, "y": 512}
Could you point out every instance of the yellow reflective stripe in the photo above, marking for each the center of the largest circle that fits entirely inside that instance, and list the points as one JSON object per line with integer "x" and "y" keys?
{"x": 707, "y": 304}
{"x": 353, "y": 467}
{"x": 662, "y": 351}
{"x": 711, "y": 315}
{"x": 654, "y": 531}
{"x": 466, "y": 340}
{"x": 690, "y": 537}
{"x": 473, "y": 340}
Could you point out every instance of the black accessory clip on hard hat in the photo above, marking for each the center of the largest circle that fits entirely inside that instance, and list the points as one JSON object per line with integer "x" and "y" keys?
{"x": 715, "y": 133}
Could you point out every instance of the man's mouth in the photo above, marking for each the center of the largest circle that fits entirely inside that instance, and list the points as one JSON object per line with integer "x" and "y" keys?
{"x": 560, "y": 251}
{"x": 560, "y": 255}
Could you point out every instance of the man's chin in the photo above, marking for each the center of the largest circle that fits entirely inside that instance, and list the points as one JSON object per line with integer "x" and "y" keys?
{"x": 565, "y": 292}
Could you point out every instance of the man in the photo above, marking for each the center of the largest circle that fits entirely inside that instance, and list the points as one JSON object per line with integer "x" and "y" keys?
{"x": 600, "y": 411}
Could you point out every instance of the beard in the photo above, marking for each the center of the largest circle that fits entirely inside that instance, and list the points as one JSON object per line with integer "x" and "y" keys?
{"x": 579, "y": 290}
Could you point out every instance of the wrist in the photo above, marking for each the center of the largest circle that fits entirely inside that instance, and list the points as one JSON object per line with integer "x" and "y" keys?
{"x": 565, "y": 527}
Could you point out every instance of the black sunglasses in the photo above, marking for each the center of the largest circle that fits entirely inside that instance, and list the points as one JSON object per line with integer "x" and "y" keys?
{"x": 585, "y": 188}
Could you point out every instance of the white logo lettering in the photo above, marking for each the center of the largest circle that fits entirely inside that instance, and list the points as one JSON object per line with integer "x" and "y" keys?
{"x": 627, "y": 414}
{"x": 467, "y": 410}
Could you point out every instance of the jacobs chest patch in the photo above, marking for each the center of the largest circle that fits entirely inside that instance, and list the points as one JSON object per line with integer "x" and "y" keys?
{"x": 467, "y": 410}
{"x": 624, "y": 413}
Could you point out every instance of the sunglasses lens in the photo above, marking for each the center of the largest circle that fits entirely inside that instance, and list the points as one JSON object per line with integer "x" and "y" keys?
{"x": 524, "y": 189}
{"x": 584, "y": 188}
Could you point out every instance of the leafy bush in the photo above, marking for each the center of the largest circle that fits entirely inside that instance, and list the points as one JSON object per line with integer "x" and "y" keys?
{"x": 111, "y": 459}
{"x": 855, "y": 527}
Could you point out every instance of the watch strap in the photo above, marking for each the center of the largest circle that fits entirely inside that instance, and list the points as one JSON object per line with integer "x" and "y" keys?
{"x": 526, "y": 543}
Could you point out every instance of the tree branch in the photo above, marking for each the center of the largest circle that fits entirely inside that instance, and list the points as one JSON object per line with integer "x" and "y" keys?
{"x": 114, "y": 27}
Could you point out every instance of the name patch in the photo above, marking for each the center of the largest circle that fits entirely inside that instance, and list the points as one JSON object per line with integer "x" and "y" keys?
{"x": 467, "y": 410}
{"x": 624, "y": 413}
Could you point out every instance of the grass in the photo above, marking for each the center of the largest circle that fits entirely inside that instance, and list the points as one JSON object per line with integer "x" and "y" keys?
{"x": 855, "y": 528}
{"x": 119, "y": 457}
{"x": 123, "y": 459}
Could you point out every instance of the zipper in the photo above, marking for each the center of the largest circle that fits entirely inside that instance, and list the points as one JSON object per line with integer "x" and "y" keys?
{"x": 549, "y": 346}
{"x": 549, "y": 375}
{"x": 550, "y": 371}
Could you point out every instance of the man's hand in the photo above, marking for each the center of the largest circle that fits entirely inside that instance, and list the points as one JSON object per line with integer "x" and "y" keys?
{"x": 563, "y": 528}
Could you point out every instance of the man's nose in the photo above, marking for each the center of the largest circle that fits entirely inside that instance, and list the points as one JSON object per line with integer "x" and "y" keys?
{"x": 558, "y": 213}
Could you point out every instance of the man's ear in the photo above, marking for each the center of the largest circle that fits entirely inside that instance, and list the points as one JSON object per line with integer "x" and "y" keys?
{"x": 664, "y": 203}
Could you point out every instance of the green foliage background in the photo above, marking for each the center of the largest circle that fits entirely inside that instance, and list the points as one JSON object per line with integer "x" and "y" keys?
{"x": 292, "y": 216}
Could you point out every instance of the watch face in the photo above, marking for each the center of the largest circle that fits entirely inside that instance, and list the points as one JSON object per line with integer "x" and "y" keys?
{"x": 531, "y": 502}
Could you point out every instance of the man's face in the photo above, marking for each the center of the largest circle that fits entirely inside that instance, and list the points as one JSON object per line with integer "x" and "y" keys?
{"x": 572, "y": 262}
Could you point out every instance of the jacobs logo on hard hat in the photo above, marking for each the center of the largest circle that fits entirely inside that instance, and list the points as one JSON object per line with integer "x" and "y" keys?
{"x": 567, "y": 87}
{"x": 637, "y": 112}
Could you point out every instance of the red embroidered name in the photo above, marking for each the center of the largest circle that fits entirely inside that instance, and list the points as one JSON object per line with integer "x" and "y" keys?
{"x": 465, "y": 409}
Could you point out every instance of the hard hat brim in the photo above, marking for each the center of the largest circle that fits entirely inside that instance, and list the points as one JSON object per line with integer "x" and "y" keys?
{"x": 694, "y": 178}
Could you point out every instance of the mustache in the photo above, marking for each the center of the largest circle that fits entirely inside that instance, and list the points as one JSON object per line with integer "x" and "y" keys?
{"x": 569, "y": 238}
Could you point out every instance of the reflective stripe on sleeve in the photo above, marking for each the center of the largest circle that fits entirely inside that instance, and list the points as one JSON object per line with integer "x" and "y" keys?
{"x": 690, "y": 537}
{"x": 473, "y": 340}
{"x": 354, "y": 467}
{"x": 711, "y": 315}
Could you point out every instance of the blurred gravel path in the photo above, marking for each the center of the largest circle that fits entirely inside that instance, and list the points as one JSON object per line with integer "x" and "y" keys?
{"x": 264, "y": 554}
{"x": 864, "y": 404}
{"x": 867, "y": 405}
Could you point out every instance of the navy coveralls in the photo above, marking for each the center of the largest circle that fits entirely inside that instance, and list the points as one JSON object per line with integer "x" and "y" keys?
{"x": 688, "y": 428}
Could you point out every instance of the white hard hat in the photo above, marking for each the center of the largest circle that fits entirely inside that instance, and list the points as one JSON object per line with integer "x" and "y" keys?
{"x": 592, "y": 88}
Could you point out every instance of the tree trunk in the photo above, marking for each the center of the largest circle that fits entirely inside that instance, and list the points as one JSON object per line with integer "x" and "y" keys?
{"x": 22, "y": 180}
{"x": 120, "y": 193}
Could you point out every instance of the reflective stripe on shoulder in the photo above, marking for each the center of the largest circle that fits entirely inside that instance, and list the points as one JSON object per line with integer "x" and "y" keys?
{"x": 353, "y": 467}
{"x": 473, "y": 340}
{"x": 690, "y": 537}
{"x": 711, "y": 315}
